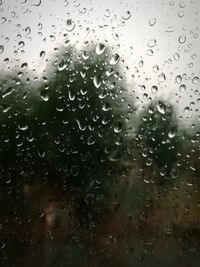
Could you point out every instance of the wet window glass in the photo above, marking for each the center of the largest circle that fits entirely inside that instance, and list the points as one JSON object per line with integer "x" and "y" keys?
{"x": 99, "y": 133}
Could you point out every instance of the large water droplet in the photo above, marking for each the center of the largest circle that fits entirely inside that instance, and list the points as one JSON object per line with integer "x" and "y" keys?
{"x": 100, "y": 48}
{"x": 115, "y": 59}
{"x": 96, "y": 82}
{"x": 161, "y": 107}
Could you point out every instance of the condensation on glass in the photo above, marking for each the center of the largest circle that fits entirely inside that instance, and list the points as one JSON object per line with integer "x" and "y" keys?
{"x": 99, "y": 133}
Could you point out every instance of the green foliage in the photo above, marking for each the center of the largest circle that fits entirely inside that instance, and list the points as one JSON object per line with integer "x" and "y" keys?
{"x": 158, "y": 137}
{"x": 67, "y": 131}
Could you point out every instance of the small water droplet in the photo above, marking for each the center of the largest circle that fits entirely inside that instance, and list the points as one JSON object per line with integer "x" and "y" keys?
{"x": 44, "y": 95}
{"x": 96, "y": 82}
{"x": 118, "y": 127}
{"x": 42, "y": 54}
{"x": 178, "y": 79}
{"x": 182, "y": 88}
{"x": 195, "y": 80}
{"x": 161, "y": 107}
{"x": 100, "y": 48}
{"x": 151, "y": 43}
{"x": 154, "y": 89}
{"x": 70, "y": 25}
{"x": 115, "y": 59}
{"x": 162, "y": 77}
{"x": 152, "y": 21}
{"x": 182, "y": 39}
{"x": 127, "y": 15}
{"x": 1, "y": 49}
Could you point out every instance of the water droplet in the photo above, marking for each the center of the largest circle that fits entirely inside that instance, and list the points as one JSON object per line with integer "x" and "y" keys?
{"x": 106, "y": 106}
{"x": 172, "y": 133}
{"x": 154, "y": 89}
{"x": 42, "y": 54}
{"x": 7, "y": 92}
{"x": 186, "y": 109}
{"x": 75, "y": 170}
{"x": 182, "y": 88}
{"x": 115, "y": 59}
{"x": 127, "y": 15}
{"x": 28, "y": 30}
{"x": 155, "y": 68}
{"x": 81, "y": 127}
{"x": 1, "y": 49}
{"x": 178, "y": 79}
{"x": 70, "y": 25}
{"x": 100, "y": 48}
{"x": 149, "y": 52}
{"x": 182, "y": 39}
{"x": 37, "y": 3}
{"x": 44, "y": 94}
{"x": 152, "y": 21}
{"x": 176, "y": 56}
{"x": 141, "y": 63}
{"x": 161, "y": 107}
{"x": 151, "y": 43}
{"x": 62, "y": 65}
{"x": 96, "y": 82}
{"x": 21, "y": 44}
{"x": 162, "y": 77}
{"x": 118, "y": 127}
{"x": 195, "y": 80}
{"x": 23, "y": 127}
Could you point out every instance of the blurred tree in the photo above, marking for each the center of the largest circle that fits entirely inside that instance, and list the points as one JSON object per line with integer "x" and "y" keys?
{"x": 68, "y": 129}
{"x": 158, "y": 139}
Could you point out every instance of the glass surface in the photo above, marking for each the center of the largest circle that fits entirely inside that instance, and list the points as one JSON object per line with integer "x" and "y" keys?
{"x": 99, "y": 133}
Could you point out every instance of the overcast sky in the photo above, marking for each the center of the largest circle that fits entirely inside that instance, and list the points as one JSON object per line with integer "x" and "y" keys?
{"x": 158, "y": 40}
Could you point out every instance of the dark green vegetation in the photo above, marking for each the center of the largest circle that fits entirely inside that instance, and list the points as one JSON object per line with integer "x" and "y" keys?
{"x": 76, "y": 183}
{"x": 68, "y": 131}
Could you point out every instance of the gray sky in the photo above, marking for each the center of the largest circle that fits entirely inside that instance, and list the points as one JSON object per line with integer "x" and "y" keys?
{"x": 159, "y": 40}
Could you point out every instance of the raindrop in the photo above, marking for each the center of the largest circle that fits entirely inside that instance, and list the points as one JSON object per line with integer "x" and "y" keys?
{"x": 162, "y": 77}
{"x": 115, "y": 59}
{"x": 44, "y": 95}
{"x": 23, "y": 127}
{"x": 178, "y": 79}
{"x": 172, "y": 133}
{"x": 82, "y": 128}
{"x": 106, "y": 107}
{"x": 127, "y": 15}
{"x": 62, "y": 65}
{"x": 28, "y": 30}
{"x": 7, "y": 92}
{"x": 70, "y": 25}
{"x": 152, "y": 22}
{"x": 141, "y": 63}
{"x": 38, "y": 3}
{"x": 42, "y": 54}
{"x": 149, "y": 52}
{"x": 71, "y": 96}
{"x": 24, "y": 66}
{"x": 186, "y": 109}
{"x": 1, "y": 49}
{"x": 21, "y": 44}
{"x": 182, "y": 39}
{"x": 96, "y": 82}
{"x": 195, "y": 80}
{"x": 100, "y": 48}
{"x": 182, "y": 88}
{"x": 161, "y": 107}
{"x": 154, "y": 89}
{"x": 75, "y": 170}
{"x": 151, "y": 43}
{"x": 118, "y": 127}
{"x": 176, "y": 56}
